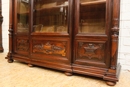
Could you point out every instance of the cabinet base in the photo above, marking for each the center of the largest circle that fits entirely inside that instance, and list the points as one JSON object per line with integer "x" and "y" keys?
{"x": 10, "y": 60}
{"x": 30, "y": 65}
{"x": 112, "y": 76}
{"x": 108, "y": 75}
{"x": 68, "y": 73}
{"x": 1, "y": 49}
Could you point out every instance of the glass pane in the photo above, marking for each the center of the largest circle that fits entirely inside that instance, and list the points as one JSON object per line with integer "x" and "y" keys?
{"x": 22, "y": 16}
{"x": 50, "y": 16}
{"x": 92, "y": 16}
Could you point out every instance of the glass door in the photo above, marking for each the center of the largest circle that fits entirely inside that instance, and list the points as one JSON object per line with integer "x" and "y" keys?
{"x": 51, "y": 32}
{"x": 92, "y": 16}
{"x": 50, "y": 16}
{"x": 21, "y": 26}
{"x": 22, "y": 16}
{"x": 51, "y": 36}
{"x": 91, "y": 37}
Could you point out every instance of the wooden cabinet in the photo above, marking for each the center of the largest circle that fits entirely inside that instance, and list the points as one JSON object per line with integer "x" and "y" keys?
{"x": 74, "y": 36}
{"x": 1, "y": 20}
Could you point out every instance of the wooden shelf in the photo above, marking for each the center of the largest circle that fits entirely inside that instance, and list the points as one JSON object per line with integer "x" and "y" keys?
{"x": 93, "y": 2}
{"x": 52, "y": 6}
{"x": 23, "y": 13}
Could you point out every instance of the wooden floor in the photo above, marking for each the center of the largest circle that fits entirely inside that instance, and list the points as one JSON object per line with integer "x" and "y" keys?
{"x": 20, "y": 75}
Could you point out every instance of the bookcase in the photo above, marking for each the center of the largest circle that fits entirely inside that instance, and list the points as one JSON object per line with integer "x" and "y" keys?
{"x": 74, "y": 36}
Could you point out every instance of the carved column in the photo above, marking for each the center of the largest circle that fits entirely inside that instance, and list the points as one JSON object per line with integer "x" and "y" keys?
{"x": 112, "y": 76}
{"x": 9, "y": 57}
{"x": 1, "y": 20}
{"x": 115, "y": 33}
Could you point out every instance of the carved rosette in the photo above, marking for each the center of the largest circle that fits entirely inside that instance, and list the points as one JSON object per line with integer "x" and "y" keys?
{"x": 51, "y": 48}
{"x": 22, "y": 45}
{"x": 91, "y": 50}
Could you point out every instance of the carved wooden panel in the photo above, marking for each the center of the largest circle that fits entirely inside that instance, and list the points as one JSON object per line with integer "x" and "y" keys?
{"x": 50, "y": 47}
{"x": 91, "y": 51}
{"x": 22, "y": 45}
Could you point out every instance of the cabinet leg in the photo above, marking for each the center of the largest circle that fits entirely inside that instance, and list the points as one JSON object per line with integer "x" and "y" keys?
{"x": 10, "y": 60}
{"x": 30, "y": 65}
{"x": 110, "y": 83}
{"x": 68, "y": 73}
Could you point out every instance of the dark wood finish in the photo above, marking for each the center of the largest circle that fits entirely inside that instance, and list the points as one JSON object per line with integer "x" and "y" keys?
{"x": 110, "y": 83}
{"x": 1, "y": 20}
{"x": 89, "y": 46}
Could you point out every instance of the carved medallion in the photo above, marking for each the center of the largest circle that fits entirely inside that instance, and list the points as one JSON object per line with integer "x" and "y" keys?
{"x": 91, "y": 50}
{"x": 51, "y": 48}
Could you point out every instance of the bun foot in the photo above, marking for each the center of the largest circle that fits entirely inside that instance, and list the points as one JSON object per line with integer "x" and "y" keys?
{"x": 30, "y": 65}
{"x": 1, "y": 51}
{"x": 110, "y": 83}
{"x": 68, "y": 74}
{"x": 10, "y": 60}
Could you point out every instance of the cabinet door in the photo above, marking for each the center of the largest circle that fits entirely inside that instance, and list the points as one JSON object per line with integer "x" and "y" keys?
{"x": 50, "y": 16}
{"x": 22, "y": 16}
{"x": 92, "y": 35}
{"x": 21, "y": 27}
{"x": 51, "y": 32}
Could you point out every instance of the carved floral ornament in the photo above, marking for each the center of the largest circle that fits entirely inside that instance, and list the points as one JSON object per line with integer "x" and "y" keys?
{"x": 50, "y": 48}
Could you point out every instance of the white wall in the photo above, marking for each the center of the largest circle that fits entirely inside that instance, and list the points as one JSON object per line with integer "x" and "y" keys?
{"x": 124, "y": 37}
{"x": 5, "y": 24}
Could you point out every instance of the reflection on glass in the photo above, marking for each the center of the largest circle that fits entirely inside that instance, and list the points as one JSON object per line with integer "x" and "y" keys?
{"x": 50, "y": 16}
{"x": 22, "y": 16}
{"x": 92, "y": 16}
